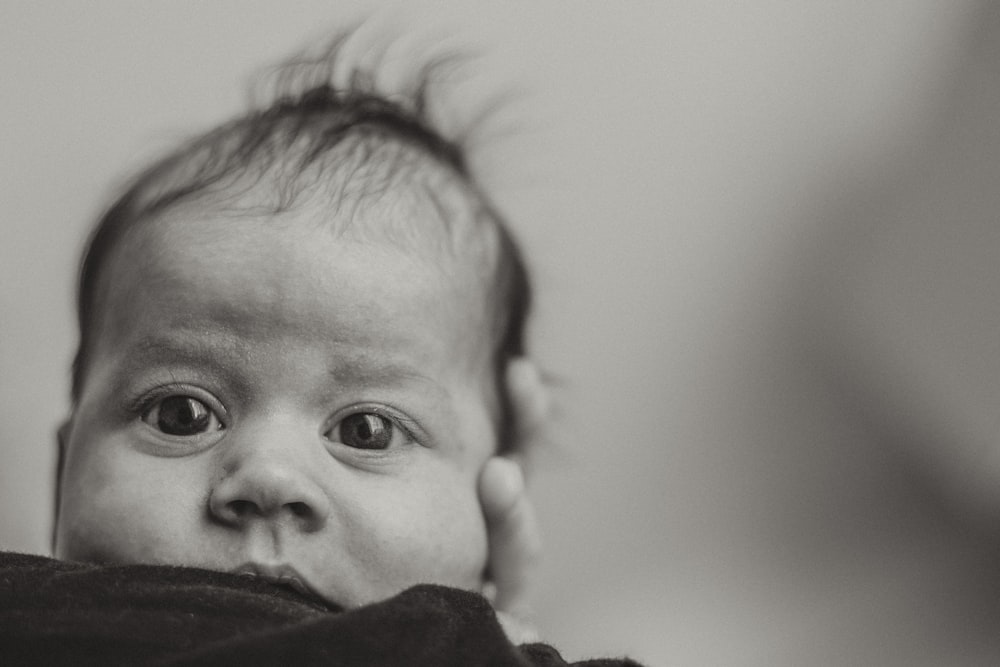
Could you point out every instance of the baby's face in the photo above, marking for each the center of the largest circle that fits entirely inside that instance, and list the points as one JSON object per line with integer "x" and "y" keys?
{"x": 267, "y": 396}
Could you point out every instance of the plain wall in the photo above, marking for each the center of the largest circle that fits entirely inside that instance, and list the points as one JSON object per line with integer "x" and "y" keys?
{"x": 661, "y": 174}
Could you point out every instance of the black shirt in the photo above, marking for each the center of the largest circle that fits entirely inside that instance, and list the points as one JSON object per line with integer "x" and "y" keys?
{"x": 55, "y": 612}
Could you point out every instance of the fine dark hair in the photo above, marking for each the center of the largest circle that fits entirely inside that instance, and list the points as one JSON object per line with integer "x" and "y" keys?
{"x": 311, "y": 115}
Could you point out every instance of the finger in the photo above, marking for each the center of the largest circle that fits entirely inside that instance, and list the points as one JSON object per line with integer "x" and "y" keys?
{"x": 529, "y": 398}
{"x": 514, "y": 537}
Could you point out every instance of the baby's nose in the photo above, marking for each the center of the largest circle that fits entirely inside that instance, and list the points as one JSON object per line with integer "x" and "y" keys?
{"x": 268, "y": 483}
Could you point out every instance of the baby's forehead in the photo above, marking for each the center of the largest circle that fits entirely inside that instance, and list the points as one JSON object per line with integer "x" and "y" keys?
{"x": 420, "y": 217}
{"x": 288, "y": 277}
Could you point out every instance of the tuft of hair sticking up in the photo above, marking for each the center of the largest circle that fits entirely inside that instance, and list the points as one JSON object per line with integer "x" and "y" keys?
{"x": 328, "y": 130}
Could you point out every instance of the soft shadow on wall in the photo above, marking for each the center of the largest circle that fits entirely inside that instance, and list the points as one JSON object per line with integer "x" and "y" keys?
{"x": 885, "y": 519}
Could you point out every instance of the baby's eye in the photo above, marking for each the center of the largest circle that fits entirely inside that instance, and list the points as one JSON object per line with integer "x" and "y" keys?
{"x": 364, "y": 430}
{"x": 181, "y": 416}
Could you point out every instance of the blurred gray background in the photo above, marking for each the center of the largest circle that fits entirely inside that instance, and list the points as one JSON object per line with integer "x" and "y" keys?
{"x": 766, "y": 247}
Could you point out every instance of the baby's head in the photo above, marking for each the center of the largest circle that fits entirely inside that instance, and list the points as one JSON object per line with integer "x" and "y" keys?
{"x": 294, "y": 332}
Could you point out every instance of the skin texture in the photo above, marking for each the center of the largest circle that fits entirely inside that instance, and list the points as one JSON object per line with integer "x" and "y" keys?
{"x": 282, "y": 330}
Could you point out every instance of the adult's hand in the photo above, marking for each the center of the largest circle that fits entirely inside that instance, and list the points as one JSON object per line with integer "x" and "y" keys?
{"x": 514, "y": 537}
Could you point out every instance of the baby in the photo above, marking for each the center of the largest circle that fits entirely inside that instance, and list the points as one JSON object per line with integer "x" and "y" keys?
{"x": 302, "y": 359}
{"x": 297, "y": 339}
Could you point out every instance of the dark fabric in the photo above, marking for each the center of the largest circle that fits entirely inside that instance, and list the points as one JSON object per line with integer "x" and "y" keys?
{"x": 53, "y": 612}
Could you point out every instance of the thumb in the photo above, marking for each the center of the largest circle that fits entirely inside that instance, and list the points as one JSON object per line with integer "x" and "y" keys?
{"x": 514, "y": 538}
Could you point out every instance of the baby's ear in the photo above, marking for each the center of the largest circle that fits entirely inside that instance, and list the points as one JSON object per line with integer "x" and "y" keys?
{"x": 530, "y": 404}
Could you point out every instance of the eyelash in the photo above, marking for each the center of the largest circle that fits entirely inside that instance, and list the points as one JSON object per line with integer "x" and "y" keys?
{"x": 138, "y": 408}
{"x": 409, "y": 428}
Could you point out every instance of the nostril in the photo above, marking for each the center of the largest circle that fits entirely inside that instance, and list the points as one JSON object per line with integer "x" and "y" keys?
{"x": 275, "y": 494}
{"x": 301, "y": 510}
{"x": 242, "y": 508}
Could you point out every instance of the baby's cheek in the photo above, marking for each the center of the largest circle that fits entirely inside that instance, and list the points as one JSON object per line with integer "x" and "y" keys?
{"x": 116, "y": 508}
{"x": 437, "y": 536}
{"x": 95, "y": 521}
{"x": 462, "y": 544}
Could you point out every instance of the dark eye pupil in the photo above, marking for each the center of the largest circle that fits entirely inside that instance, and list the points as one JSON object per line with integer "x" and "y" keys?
{"x": 366, "y": 431}
{"x": 183, "y": 415}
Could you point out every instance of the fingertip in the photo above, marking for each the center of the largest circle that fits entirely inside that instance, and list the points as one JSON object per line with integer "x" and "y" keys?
{"x": 528, "y": 392}
{"x": 501, "y": 483}
{"x": 522, "y": 372}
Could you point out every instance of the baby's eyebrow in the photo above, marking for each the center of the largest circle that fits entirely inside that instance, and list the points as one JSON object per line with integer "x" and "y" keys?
{"x": 220, "y": 351}
{"x": 217, "y": 357}
{"x": 369, "y": 371}
{"x": 188, "y": 348}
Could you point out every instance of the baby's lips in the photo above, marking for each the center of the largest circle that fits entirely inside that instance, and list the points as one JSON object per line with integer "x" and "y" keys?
{"x": 281, "y": 574}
